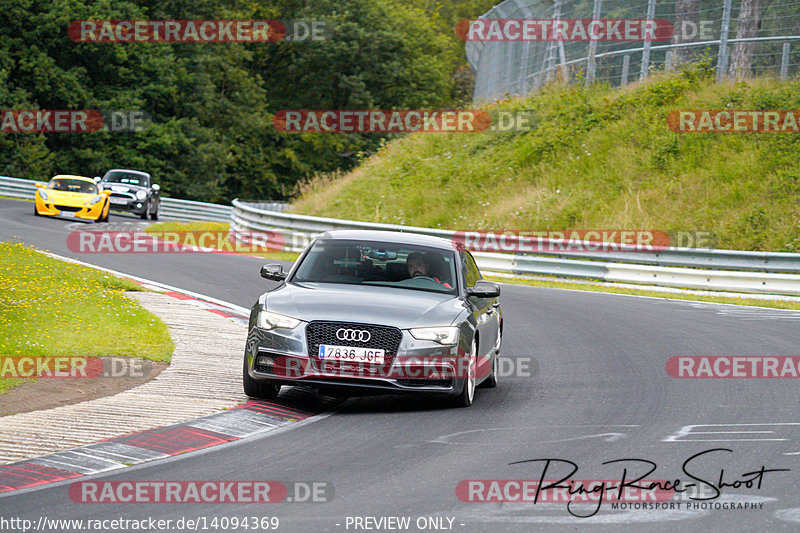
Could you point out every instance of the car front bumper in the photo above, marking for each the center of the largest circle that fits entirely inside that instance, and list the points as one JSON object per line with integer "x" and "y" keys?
{"x": 85, "y": 212}
{"x": 282, "y": 357}
{"x": 133, "y": 205}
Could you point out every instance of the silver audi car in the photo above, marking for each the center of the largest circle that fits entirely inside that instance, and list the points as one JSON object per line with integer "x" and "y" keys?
{"x": 372, "y": 312}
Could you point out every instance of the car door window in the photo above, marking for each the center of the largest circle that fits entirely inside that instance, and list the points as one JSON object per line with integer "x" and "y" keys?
{"x": 470, "y": 270}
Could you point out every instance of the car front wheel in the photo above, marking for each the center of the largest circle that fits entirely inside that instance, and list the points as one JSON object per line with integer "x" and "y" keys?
{"x": 262, "y": 390}
{"x": 491, "y": 381}
{"x": 465, "y": 398}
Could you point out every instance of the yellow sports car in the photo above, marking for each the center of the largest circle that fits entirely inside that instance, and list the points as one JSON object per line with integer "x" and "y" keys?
{"x": 72, "y": 196}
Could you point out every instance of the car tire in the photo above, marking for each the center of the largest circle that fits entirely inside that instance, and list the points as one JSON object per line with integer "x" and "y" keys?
{"x": 143, "y": 216}
{"x": 467, "y": 395}
{"x": 262, "y": 390}
{"x": 491, "y": 381}
{"x": 154, "y": 214}
{"x": 36, "y": 211}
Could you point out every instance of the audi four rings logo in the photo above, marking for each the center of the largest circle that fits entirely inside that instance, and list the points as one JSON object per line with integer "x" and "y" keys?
{"x": 358, "y": 335}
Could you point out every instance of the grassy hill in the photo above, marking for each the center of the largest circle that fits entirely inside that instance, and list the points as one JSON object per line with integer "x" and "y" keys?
{"x": 597, "y": 158}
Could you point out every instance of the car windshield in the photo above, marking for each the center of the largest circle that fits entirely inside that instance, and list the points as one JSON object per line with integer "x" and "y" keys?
{"x": 127, "y": 178}
{"x": 376, "y": 263}
{"x": 72, "y": 185}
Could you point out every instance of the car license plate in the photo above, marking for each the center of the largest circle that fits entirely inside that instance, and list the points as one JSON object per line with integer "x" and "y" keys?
{"x": 119, "y": 201}
{"x": 351, "y": 353}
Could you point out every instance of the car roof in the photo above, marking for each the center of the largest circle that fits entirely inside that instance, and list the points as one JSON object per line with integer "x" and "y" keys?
{"x": 69, "y": 176}
{"x": 127, "y": 170}
{"x": 395, "y": 237}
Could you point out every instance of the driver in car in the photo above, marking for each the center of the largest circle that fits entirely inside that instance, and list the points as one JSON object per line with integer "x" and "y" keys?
{"x": 418, "y": 266}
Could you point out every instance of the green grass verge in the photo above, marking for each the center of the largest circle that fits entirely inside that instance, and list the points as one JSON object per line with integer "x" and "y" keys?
{"x": 217, "y": 227}
{"x": 596, "y": 158}
{"x": 54, "y": 308}
{"x": 777, "y": 304}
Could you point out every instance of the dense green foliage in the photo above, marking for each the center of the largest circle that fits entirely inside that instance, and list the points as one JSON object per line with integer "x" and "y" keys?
{"x": 596, "y": 158}
{"x": 212, "y": 136}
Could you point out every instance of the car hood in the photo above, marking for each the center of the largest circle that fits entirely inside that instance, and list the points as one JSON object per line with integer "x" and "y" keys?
{"x": 402, "y": 308}
{"x": 67, "y": 197}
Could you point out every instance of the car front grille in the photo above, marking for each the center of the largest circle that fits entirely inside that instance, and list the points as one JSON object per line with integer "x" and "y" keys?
{"x": 68, "y": 208}
{"x": 426, "y": 382}
{"x": 386, "y": 338}
{"x": 124, "y": 195}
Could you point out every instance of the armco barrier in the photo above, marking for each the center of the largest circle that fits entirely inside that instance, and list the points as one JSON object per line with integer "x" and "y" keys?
{"x": 729, "y": 270}
{"x": 17, "y": 188}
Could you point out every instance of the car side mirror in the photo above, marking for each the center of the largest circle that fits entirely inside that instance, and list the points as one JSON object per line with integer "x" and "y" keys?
{"x": 274, "y": 272}
{"x": 105, "y": 192}
{"x": 156, "y": 187}
{"x": 484, "y": 289}
{"x": 39, "y": 185}
{"x": 97, "y": 179}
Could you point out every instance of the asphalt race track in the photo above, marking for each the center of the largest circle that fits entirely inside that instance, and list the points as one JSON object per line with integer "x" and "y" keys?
{"x": 589, "y": 385}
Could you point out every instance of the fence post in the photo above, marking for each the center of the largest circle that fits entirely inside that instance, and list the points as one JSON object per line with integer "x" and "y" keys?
{"x": 785, "y": 61}
{"x": 626, "y": 67}
{"x": 550, "y": 54}
{"x": 526, "y": 55}
{"x": 651, "y": 15}
{"x": 591, "y": 68}
{"x": 722, "y": 62}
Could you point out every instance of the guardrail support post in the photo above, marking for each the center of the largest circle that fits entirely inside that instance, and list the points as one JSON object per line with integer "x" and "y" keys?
{"x": 626, "y": 67}
{"x": 651, "y": 15}
{"x": 722, "y": 61}
{"x": 785, "y": 61}
{"x": 669, "y": 61}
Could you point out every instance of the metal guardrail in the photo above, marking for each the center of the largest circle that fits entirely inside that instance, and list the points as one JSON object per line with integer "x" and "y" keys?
{"x": 755, "y": 272}
{"x": 17, "y": 188}
{"x": 730, "y": 270}
{"x": 187, "y": 210}
{"x": 170, "y": 208}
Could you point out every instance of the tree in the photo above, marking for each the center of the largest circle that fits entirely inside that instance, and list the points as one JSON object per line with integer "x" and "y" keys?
{"x": 687, "y": 15}
{"x": 749, "y": 25}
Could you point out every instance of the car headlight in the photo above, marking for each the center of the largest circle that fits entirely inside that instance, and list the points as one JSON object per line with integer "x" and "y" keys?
{"x": 94, "y": 200}
{"x": 42, "y": 194}
{"x": 270, "y": 320}
{"x": 141, "y": 195}
{"x": 443, "y": 335}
